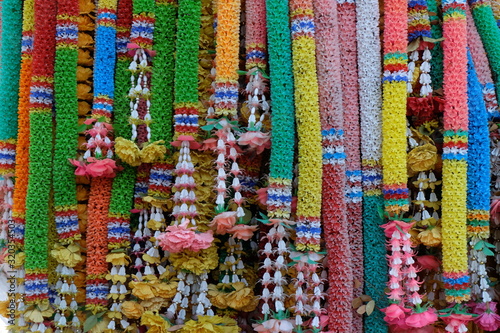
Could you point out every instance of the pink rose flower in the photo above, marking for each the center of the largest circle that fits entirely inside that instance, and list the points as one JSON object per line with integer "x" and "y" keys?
{"x": 81, "y": 169}
{"x": 487, "y": 320}
{"x": 394, "y": 312}
{"x": 202, "y": 241}
{"x": 274, "y": 326}
{"x": 457, "y": 322}
{"x": 101, "y": 168}
{"x": 255, "y": 140}
{"x": 392, "y": 226}
{"x": 242, "y": 231}
{"x": 428, "y": 262}
{"x": 177, "y": 238}
{"x": 422, "y": 319}
{"x": 223, "y": 222}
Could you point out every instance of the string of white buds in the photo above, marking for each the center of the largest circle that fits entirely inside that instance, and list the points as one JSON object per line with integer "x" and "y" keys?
{"x": 139, "y": 90}
{"x": 425, "y": 77}
{"x": 256, "y": 99}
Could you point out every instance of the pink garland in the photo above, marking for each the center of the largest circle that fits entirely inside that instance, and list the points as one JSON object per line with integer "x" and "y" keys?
{"x": 348, "y": 58}
{"x": 340, "y": 292}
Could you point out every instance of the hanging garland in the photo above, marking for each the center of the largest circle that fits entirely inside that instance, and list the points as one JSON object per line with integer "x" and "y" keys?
{"x": 40, "y": 156}
{"x": 370, "y": 103}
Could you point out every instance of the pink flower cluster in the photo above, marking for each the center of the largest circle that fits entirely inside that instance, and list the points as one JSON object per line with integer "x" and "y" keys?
{"x": 181, "y": 237}
{"x": 225, "y": 223}
{"x": 96, "y": 168}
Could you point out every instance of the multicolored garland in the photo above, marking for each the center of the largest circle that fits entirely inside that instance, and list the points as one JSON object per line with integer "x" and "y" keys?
{"x": 40, "y": 169}
{"x": 454, "y": 214}
{"x": 328, "y": 59}
{"x": 308, "y": 293}
{"x": 370, "y": 104}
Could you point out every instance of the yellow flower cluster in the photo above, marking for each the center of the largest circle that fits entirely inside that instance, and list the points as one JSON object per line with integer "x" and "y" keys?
{"x": 239, "y": 297}
{"x": 128, "y": 152}
{"x": 308, "y": 127}
{"x": 210, "y": 324}
{"x": 394, "y": 133}
{"x": 454, "y": 216}
{"x": 195, "y": 262}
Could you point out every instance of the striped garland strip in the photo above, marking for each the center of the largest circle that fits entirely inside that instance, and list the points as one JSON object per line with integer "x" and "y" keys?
{"x": 66, "y": 119}
{"x": 328, "y": 59}
{"x": 101, "y": 184}
{"x": 478, "y": 183}
{"x": 394, "y": 108}
{"x": 370, "y": 104}
{"x": 118, "y": 223}
{"x": 255, "y": 39}
{"x": 279, "y": 192}
{"x": 482, "y": 66}
{"x": 226, "y": 79}
{"x": 490, "y": 35}
{"x": 40, "y": 156}
{"x": 354, "y": 191}
{"x": 418, "y": 20}
{"x": 308, "y": 226}
{"x": 454, "y": 214}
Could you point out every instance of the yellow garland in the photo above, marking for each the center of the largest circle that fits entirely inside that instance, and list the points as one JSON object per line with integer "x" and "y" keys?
{"x": 454, "y": 236}
{"x": 308, "y": 127}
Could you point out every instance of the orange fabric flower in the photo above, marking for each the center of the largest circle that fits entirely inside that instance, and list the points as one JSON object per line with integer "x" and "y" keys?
{"x": 242, "y": 231}
{"x": 223, "y": 222}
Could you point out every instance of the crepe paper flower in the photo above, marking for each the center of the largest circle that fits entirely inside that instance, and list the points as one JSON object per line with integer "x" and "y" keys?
{"x": 274, "y": 325}
{"x": 243, "y": 232}
{"x": 456, "y": 322}
{"x": 255, "y": 140}
{"x": 101, "y": 168}
{"x": 421, "y": 319}
{"x": 488, "y": 319}
{"x": 195, "y": 262}
{"x": 422, "y": 158}
{"x": 223, "y": 222}
{"x": 127, "y": 151}
{"x": 428, "y": 262}
{"x": 177, "y": 237}
{"x": 154, "y": 322}
{"x": 430, "y": 237}
{"x": 210, "y": 324}
{"x": 395, "y": 312}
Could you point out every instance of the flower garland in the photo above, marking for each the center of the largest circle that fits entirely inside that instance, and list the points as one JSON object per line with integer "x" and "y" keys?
{"x": 394, "y": 109}
{"x": 118, "y": 224}
{"x": 454, "y": 212}
{"x": 65, "y": 202}
{"x": 101, "y": 169}
{"x": 16, "y": 237}
{"x": 490, "y": 34}
{"x": 334, "y": 182}
{"x": 482, "y": 66}
{"x": 370, "y": 103}
{"x": 40, "y": 156}
{"x": 478, "y": 179}
{"x": 10, "y": 71}
{"x": 310, "y": 159}
{"x": 495, "y": 6}
{"x": 354, "y": 191}
{"x": 279, "y": 191}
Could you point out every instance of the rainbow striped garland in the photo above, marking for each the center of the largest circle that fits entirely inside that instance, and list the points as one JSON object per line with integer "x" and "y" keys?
{"x": 40, "y": 177}
{"x": 394, "y": 108}
{"x": 418, "y": 20}
{"x": 454, "y": 214}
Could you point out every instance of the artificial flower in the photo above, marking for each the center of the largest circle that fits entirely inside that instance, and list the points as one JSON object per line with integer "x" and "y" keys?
{"x": 421, "y": 319}
{"x": 222, "y": 222}
{"x": 101, "y": 168}
{"x": 153, "y": 152}
{"x": 394, "y": 312}
{"x": 69, "y": 256}
{"x": 165, "y": 290}
{"x": 488, "y": 319}
{"x": 430, "y": 236}
{"x": 127, "y": 151}
{"x": 274, "y": 326}
{"x": 195, "y": 262}
{"x": 210, "y": 324}
{"x": 456, "y": 322}
{"x": 202, "y": 241}
{"x": 154, "y": 322}
{"x": 242, "y": 231}
{"x": 177, "y": 237}
{"x": 255, "y": 140}
{"x": 428, "y": 262}
{"x": 142, "y": 290}
{"x": 118, "y": 259}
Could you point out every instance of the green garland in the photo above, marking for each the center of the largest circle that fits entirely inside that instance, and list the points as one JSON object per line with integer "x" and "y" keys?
{"x": 437, "y": 50}
{"x": 10, "y": 67}
{"x": 163, "y": 71}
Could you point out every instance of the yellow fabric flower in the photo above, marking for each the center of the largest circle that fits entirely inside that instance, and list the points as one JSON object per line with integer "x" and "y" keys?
{"x": 422, "y": 158}
{"x": 155, "y": 323}
{"x": 151, "y": 260}
{"x": 165, "y": 290}
{"x": 241, "y": 298}
{"x": 430, "y": 236}
{"x": 195, "y": 262}
{"x": 69, "y": 256}
{"x": 143, "y": 290}
{"x": 210, "y": 324}
{"x": 155, "y": 303}
{"x": 153, "y": 152}
{"x": 127, "y": 151}
{"x": 155, "y": 225}
{"x": 118, "y": 259}
{"x": 132, "y": 310}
